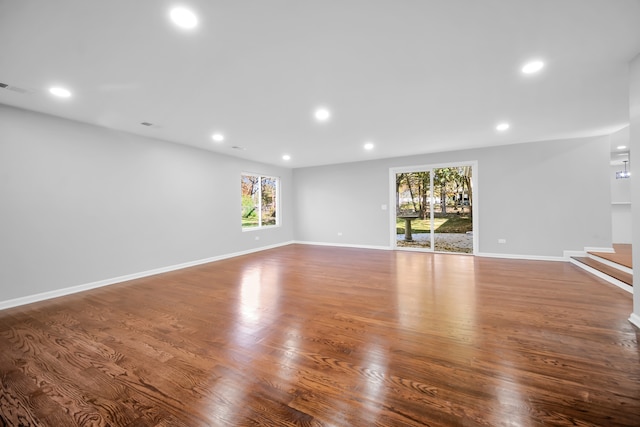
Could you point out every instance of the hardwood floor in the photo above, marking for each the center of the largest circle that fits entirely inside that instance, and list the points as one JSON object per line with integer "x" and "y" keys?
{"x": 322, "y": 336}
{"x": 622, "y": 254}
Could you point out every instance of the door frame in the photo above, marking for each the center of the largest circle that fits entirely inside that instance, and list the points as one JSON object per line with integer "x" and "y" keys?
{"x": 426, "y": 168}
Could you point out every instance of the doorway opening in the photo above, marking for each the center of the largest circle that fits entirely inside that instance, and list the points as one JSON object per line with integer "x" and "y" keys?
{"x": 434, "y": 208}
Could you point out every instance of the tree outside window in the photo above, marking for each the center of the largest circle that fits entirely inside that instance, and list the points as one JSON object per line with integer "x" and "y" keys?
{"x": 259, "y": 201}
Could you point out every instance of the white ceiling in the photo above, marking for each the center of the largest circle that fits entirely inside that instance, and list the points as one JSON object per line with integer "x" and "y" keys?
{"x": 411, "y": 76}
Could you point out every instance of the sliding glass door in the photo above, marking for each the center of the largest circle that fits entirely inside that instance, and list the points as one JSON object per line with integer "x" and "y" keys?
{"x": 434, "y": 208}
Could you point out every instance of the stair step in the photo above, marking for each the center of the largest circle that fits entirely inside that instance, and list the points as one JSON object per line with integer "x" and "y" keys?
{"x": 611, "y": 263}
{"x": 621, "y": 255}
{"x": 609, "y": 271}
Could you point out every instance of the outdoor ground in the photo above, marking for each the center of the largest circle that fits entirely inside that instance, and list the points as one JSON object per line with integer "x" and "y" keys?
{"x": 444, "y": 242}
{"x": 453, "y": 233}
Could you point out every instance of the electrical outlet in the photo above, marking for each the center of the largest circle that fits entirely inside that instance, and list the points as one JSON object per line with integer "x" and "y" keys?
{"x": 383, "y": 207}
{"x": 257, "y": 237}
{"x": 502, "y": 240}
{"x": 339, "y": 233}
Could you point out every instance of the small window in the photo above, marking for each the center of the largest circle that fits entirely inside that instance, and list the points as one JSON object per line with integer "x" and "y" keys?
{"x": 260, "y": 200}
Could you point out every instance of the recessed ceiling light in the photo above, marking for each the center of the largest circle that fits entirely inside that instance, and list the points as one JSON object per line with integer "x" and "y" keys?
{"x": 217, "y": 137}
{"x": 183, "y": 18}
{"x": 322, "y": 114}
{"x": 502, "y": 127}
{"x": 368, "y": 146}
{"x": 286, "y": 157}
{"x": 621, "y": 147}
{"x": 60, "y": 92}
{"x": 532, "y": 67}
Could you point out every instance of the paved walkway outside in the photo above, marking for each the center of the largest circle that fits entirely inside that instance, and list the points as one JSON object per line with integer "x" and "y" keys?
{"x": 447, "y": 242}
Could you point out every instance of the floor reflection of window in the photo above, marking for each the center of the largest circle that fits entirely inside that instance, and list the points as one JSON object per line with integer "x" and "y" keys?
{"x": 259, "y": 293}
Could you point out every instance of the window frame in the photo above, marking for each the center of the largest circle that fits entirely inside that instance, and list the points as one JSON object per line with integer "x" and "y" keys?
{"x": 260, "y": 177}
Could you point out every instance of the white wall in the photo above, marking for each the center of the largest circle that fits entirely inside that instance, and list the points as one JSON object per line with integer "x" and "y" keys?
{"x": 620, "y": 205}
{"x": 620, "y": 188}
{"x": 621, "y": 221}
{"x": 634, "y": 115}
{"x": 543, "y": 198}
{"x": 80, "y": 203}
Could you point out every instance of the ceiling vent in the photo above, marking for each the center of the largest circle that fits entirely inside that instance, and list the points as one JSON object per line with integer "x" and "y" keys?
{"x": 14, "y": 88}
{"x": 150, "y": 125}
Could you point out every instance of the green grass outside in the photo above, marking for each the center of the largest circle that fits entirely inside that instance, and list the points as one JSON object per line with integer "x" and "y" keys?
{"x": 253, "y": 222}
{"x": 249, "y": 222}
{"x": 450, "y": 224}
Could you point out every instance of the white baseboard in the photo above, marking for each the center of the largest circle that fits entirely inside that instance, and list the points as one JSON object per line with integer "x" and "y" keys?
{"x": 603, "y": 250}
{"x": 344, "y": 245}
{"x": 522, "y": 257}
{"x": 635, "y": 320}
{"x": 112, "y": 281}
{"x": 481, "y": 254}
{"x": 569, "y": 254}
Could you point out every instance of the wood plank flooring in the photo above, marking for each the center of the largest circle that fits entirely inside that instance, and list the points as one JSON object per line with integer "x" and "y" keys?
{"x": 613, "y": 272}
{"x": 622, "y": 254}
{"x": 321, "y": 336}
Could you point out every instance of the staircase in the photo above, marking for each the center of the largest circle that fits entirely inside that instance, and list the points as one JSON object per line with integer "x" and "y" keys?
{"x": 613, "y": 267}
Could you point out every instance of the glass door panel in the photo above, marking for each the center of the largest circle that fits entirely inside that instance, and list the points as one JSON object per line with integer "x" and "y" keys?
{"x": 413, "y": 209}
{"x": 452, "y": 212}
